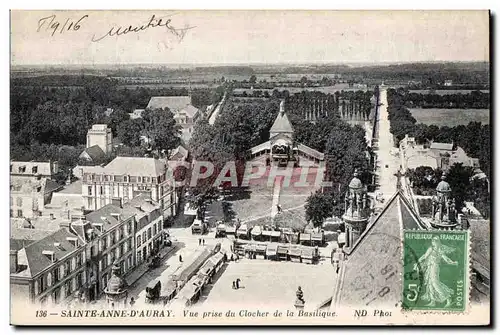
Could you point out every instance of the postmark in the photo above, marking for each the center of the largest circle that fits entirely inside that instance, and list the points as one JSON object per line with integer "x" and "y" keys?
{"x": 436, "y": 270}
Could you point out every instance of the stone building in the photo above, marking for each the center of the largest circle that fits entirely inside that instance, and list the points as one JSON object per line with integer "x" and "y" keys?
{"x": 102, "y": 136}
{"x": 126, "y": 177}
{"x": 50, "y": 270}
{"x": 185, "y": 114}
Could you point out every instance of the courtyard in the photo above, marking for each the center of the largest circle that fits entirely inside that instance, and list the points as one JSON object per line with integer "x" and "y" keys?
{"x": 270, "y": 284}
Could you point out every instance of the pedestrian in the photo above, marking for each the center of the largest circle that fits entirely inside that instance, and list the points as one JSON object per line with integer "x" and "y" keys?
{"x": 238, "y": 283}
{"x": 203, "y": 241}
{"x": 234, "y": 285}
{"x": 180, "y": 258}
{"x": 112, "y": 305}
{"x": 199, "y": 241}
{"x": 132, "y": 302}
{"x": 232, "y": 257}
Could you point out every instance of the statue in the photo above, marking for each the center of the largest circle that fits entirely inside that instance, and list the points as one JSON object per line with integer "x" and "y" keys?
{"x": 299, "y": 302}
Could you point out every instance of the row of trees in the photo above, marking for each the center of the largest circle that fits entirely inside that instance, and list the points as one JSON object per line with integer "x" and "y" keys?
{"x": 464, "y": 187}
{"x": 475, "y": 99}
{"x": 474, "y": 138}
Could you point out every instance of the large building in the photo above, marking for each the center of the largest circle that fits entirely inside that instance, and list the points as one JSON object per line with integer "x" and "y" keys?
{"x": 149, "y": 226}
{"x": 102, "y": 136}
{"x": 281, "y": 148}
{"x": 75, "y": 260}
{"x": 31, "y": 187}
{"x": 126, "y": 177}
{"x": 185, "y": 114}
{"x": 33, "y": 170}
{"x": 48, "y": 271}
{"x": 434, "y": 154}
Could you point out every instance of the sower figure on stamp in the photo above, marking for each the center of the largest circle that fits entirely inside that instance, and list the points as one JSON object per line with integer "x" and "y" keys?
{"x": 435, "y": 291}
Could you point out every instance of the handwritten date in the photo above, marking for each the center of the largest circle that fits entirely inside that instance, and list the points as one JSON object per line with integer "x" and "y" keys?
{"x": 51, "y": 25}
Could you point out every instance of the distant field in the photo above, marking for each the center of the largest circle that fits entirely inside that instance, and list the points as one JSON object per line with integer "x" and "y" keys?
{"x": 450, "y": 117}
{"x": 446, "y": 92}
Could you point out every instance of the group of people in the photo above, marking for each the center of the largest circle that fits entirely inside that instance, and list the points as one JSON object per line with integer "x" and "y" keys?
{"x": 201, "y": 241}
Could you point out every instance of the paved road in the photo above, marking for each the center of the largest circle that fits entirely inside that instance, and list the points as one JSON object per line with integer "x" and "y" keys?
{"x": 387, "y": 163}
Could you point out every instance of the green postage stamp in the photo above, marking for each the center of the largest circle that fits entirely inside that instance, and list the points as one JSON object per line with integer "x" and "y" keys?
{"x": 436, "y": 270}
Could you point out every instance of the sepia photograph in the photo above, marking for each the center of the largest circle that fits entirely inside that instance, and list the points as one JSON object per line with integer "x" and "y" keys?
{"x": 250, "y": 167}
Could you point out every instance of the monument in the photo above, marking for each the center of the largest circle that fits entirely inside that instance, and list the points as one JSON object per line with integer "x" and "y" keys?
{"x": 444, "y": 213}
{"x": 117, "y": 289}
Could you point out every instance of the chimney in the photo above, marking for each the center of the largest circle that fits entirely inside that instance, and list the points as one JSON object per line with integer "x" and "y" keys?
{"x": 115, "y": 201}
{"x": 14, "y": 265}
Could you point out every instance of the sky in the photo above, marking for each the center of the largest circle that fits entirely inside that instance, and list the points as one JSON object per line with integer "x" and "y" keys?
{"x": 248, "y": 37}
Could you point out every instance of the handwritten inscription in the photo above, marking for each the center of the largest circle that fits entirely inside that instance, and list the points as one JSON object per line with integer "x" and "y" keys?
{"x": 153, "y": 22}
{"x": 52, "y": 25}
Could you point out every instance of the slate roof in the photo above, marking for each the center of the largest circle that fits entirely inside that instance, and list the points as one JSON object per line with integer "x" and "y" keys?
{"x": 174, "y": 103}
{"x": 135, "y": 166}
{"x": 103, "y": 216}
{"x": 43, "y": 168}
{"x": 379, "y": 247}
{"x": 442, "y": 146}
{"x": 95, "y": 153}
{"x": 190, "y": 111}
{"x": 148, "y": 212}
{"x": 37, "y": 262}
{"x": 281, "y": 124}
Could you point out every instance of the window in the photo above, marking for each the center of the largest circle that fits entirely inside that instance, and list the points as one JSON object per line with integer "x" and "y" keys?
{"x": 62, "y": 271}
{"x": 56, "y": 275}
{"x": 41, "y": 285}
{"x": 79, "y": 279}
{"x": 154, "y": 229}
{"x": 117, "y": 252}
{"x": 19, "y": 202}
{"x": 73, "y": 264}
{"x": 144, "y": 239}
{"x": 129, "y": 228}
{"x": 101, "y": 190}
{"x": 49, "y": 279}
{"x": 90, "y": 190}
{"x": 125, "y": 179}
{"x": 146, "y": 179}
{"x": 20, "y": 213}
{"x": 56, "y": 296}
{"x": 139, "y": 240}
{"x": 10, "y": 167}
{"x": 133, "y": 179}
{"x": 139, "y": 179}
{"x": 79, "y": 260}
{"x": 22, "y": 169}
{"x": 73, "y": 284}
{"x": 34, "y": 169}
{"x": 67, "y": 288}
{"x": 11, "y": 213}
{"x": 149, "y": 233}
{"x": 139, "y": 256}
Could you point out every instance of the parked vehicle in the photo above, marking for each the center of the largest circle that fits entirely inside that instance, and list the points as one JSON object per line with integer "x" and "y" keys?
{"x": 220, "y": 230}
{"x": 153, "y": 291}
{"x": 199, "y": 227}
{"x": 155, "y": 262}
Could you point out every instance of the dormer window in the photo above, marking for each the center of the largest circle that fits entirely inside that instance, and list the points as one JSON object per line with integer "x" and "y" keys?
{"x": 34, "y": 169}
{"x": 50, "y": 254}
{"x": 22, "y": 169}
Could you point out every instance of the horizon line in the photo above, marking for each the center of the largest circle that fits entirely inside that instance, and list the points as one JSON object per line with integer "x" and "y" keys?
{"x": 255, "y": 63}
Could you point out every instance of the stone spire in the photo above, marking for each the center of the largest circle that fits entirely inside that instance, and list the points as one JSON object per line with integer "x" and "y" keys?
{"x": 357, "y": 210}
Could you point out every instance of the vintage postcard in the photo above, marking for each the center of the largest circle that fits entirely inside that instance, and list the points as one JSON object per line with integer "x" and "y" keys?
{"x": 272, "y": 167}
